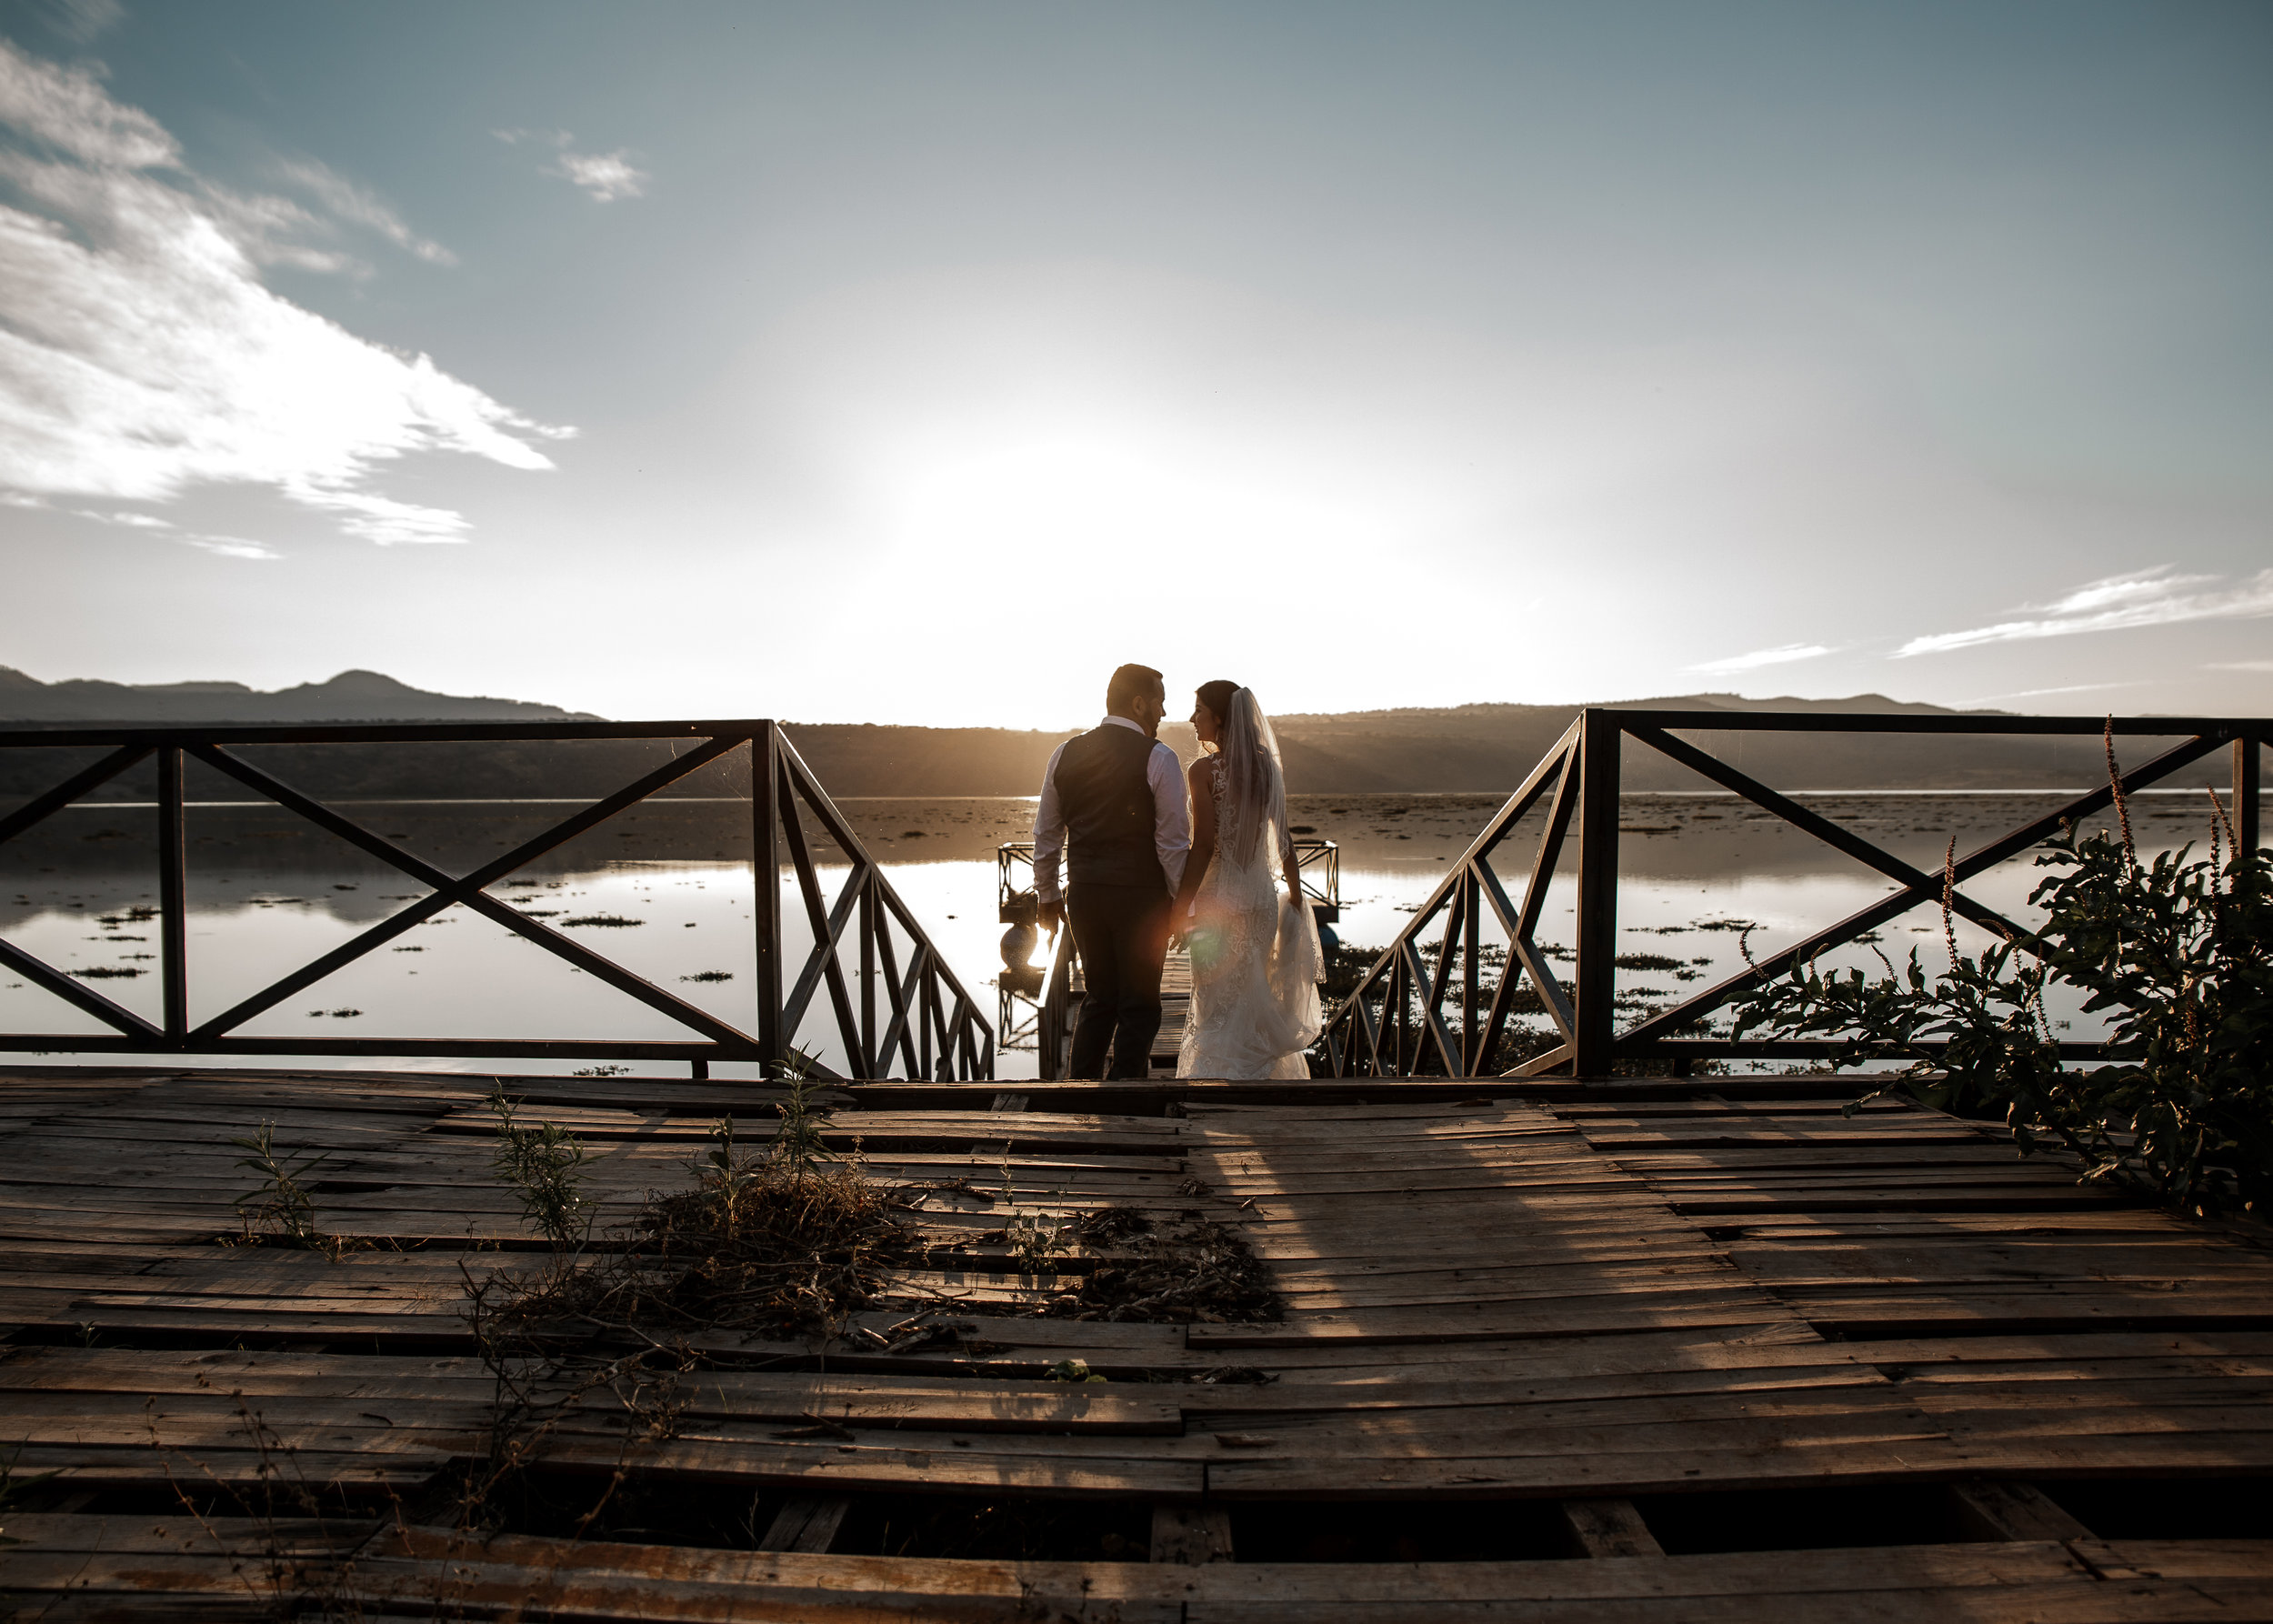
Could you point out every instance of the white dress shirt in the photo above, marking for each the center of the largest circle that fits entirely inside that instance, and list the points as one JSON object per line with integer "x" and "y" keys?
{"x": 1171, "y": 818}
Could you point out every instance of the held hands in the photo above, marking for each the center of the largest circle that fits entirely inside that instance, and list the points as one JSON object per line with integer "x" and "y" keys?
{"x": 1052, "y": 914}
{"x": 1187, "y": 921}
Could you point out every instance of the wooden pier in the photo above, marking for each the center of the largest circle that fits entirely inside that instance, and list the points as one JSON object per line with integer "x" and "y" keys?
{"x": 1665, "y": 1350}
{"x": 1175, "y": 1008}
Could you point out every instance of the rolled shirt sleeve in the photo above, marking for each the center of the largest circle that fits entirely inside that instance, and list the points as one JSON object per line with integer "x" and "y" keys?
{"x": 1171, "y": 816}
{"x": 1049, "y": 833}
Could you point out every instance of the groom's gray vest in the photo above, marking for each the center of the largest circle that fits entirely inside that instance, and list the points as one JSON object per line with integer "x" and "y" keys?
{"x": 1108, "y": 809}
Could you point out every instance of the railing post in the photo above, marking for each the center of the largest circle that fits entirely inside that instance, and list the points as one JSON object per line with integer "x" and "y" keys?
{"x": 1405, "y": 997}
{"x": 172, "y": 898}
{"x": 766, "y": 876}
{"x": 1471, "y": 954}
{"x": 1594, "y": 975}
{"x": 867, "y": 926}
{"x": 2245, "y": 792}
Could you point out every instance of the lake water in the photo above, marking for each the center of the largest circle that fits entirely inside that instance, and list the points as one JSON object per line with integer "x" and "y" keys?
{"x": 268, "y": 892}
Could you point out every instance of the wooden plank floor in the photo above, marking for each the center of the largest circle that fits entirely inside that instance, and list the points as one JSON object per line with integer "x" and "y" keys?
{"x": 1611, "y": 1309}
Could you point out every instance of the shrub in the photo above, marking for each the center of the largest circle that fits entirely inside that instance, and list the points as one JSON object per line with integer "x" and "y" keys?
{"x": 2178, "y": 952}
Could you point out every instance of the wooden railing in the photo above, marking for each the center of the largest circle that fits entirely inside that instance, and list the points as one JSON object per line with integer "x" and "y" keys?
{"x": 1395, "y": 1022}
{"x": 891, "y": 1017}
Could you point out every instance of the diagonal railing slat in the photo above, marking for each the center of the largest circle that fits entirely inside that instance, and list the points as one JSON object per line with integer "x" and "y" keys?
{"x": 1844, "y": 840}
{"x": 827, "y": 926}
{"x": 101, "y": 772}
{"x": 47, "y": 977}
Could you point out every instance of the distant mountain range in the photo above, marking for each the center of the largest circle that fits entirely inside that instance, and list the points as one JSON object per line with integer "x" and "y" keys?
{"x": 1480, "y": 748}
{"x": 350, "y": 696}
{"x": 1489, "y": 747}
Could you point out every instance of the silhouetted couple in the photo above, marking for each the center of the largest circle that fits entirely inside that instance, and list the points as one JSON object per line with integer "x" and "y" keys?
{"x": 1150, "y": 852}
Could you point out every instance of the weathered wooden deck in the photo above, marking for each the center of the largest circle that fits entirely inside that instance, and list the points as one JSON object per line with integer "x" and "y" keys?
{"x": 1619, "y": 1352}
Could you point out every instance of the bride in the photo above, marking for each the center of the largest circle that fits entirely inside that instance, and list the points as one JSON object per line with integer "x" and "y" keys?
{"x": 1256, "y": 958}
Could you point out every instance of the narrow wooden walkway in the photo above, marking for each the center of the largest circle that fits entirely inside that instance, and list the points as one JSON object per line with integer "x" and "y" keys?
{"x": 1573, "y": 1353}
{"x": 1175, "y": 1008}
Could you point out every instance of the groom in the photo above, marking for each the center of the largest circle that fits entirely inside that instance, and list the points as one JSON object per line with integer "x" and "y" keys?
{"x": 1112, "y": 802}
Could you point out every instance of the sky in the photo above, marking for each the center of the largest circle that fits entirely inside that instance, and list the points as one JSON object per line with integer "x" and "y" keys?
{"x": 919, "y": 363}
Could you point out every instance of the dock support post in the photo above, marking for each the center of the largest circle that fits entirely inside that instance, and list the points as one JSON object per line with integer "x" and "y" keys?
{"x": 1607, "y": 1528}
{"x": 1594, "y": 975}
{"x": 806, "y": 1523}
{"x": 2013, "y": 1511}
{"x": 1193, "y": 1535}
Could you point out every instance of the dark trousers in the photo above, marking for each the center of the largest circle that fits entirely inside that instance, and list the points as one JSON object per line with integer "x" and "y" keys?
{"x": 1122, "y": 935}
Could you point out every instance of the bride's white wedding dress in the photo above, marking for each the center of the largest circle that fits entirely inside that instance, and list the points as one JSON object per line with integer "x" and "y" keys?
{"x": 1255, "y": 956}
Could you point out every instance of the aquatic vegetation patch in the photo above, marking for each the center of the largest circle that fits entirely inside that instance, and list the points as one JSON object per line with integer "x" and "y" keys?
{"x": 1645, "y": 961}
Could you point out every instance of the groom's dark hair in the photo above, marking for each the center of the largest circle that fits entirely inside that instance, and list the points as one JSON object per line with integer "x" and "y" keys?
{"x": 1129, "y": 683}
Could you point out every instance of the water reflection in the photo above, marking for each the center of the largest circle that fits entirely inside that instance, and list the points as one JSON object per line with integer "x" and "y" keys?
{"x": 665, "y": 891}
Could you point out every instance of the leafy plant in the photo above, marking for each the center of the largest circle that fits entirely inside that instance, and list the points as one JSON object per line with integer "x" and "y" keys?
{"x": 725, "y": 1174}
{"x": 798, "y": 1147}
{"x": 545, "y": 1166}
{"x": 2177, "y": 952}
{"x": 282, "y": 1205}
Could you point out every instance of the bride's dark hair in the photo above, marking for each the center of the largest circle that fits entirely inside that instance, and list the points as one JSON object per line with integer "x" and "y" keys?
{"x": 1216, "y": 696}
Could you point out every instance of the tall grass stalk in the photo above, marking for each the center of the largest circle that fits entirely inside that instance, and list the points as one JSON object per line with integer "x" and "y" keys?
{"x": 544, "y": 1166}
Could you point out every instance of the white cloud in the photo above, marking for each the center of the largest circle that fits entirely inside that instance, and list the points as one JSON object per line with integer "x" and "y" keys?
{"x": 348, "y": 201}
{"x": 1782, "y": 656}
{"x": 2078, "y": 687}
{"x": 132, "y": 521}
{"x": 605, "y": 176}
{"x": 2117, "y": 603}
{"x": 70, "y": 112}
{"x": 140, "y": 354}
{"x": 230, "y": 546}
{"x": 2240, "y": 666}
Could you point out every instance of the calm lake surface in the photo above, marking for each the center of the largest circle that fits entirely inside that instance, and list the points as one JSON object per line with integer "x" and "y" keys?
{"x": 268, "y": 892}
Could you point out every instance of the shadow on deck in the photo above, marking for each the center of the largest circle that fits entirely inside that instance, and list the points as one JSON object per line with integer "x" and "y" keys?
{"x": 1572, "y": 1350}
